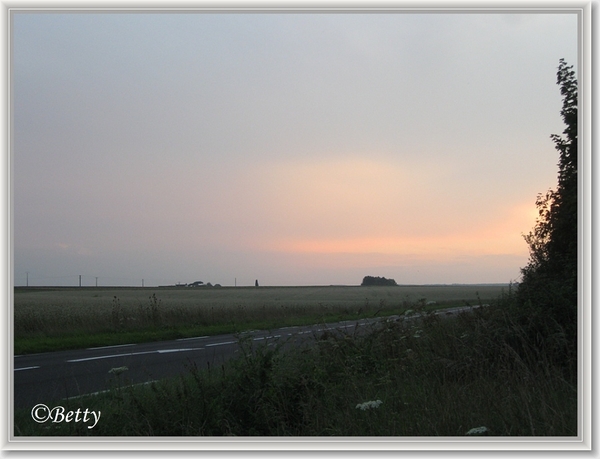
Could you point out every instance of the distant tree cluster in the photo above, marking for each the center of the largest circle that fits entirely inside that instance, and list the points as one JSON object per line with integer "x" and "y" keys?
{"x": 379, "y": 281}
{"x": 194, "y": 284}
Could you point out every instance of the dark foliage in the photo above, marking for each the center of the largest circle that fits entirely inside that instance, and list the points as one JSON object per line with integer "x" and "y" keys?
{"x": 379, "y": 281}
{"x": 549, "y": 282}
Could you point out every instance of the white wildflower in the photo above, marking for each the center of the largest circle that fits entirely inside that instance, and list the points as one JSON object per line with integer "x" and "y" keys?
{"x": 369, "y": 405}
{"x": 478, "y": 431}
{"x": 118, "y": 370}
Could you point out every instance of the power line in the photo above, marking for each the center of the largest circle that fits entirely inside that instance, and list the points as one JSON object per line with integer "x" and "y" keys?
{"x": 87, "y": 279}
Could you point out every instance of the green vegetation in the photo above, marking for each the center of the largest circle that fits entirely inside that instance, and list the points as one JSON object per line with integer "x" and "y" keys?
{"x": 70, "y": 318}
{"x": 434, "y": 377}
{"x": 549, "y": 282}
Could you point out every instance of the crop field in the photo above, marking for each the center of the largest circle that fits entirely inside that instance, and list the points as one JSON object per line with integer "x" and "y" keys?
{"x": 43, "y": 316}
{"x": 477, "y": 375}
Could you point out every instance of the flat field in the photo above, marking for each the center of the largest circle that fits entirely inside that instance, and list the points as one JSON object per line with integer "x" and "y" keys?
{"x": 44, "y": 315}
{"x": 481, "y": 372}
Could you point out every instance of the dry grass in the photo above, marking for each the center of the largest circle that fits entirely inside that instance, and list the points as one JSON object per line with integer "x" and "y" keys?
{"x": 95, "y": 310}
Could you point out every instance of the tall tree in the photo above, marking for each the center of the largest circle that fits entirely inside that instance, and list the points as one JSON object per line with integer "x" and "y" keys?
{"x": 550, "y": 278}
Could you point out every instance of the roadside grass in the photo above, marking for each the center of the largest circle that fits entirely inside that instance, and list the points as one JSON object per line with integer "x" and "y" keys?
{"x": 69, "y": 340}
{"x": 479, "y": 372}
{"x": 64, "y": 319}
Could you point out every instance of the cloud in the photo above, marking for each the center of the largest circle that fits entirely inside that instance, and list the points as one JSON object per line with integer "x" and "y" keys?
{"x": 188, "y": 142}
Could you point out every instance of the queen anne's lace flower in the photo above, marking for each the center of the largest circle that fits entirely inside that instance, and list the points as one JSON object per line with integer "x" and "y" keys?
{"x": 478, "y": 431}
{"x": 369, "y": 405}
{"x": 118, "y": 370}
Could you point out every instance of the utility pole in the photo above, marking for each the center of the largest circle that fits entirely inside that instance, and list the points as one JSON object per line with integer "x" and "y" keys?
{"x": 142, "y": 282}
{"x": 80, "y": 280}
{"x": 235, "y": 282}
{"x": 27, "y": 272}
{"x": 96, "y": 281}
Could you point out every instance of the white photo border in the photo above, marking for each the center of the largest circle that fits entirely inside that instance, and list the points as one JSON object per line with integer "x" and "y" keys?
{"x": 587, "y": 321}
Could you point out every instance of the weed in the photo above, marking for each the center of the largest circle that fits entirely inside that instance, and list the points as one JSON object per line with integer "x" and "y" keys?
{"x": 117, "y": 314}
{"x": 478, "y": 369}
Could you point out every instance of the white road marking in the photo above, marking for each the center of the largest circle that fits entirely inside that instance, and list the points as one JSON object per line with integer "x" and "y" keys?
{"x": 110, "y": 356}
{"x": 165, "y": 351}
{"x": 267, "y": 337}
{"x": 129, "y": 354}
{"x": 195, "y": 337}
{"x": 27, "y": 368}
{"x": 29, "y": 355}
{"x": 109, "y": 347}
{"x": 220, "y": 344}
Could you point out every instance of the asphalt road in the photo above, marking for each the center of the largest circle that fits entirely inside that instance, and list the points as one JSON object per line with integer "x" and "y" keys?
{"x": 55, "y": 376}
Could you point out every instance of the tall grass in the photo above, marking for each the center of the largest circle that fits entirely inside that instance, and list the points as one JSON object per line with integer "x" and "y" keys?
{"x": 477, "y": 373}
{"x": 47, "y": 320}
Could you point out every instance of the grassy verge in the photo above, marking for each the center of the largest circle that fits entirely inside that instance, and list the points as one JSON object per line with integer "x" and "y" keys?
{"x": 42, "y": 342}
{"x": 433, "y": 377}
{"x": 63, "y": 318}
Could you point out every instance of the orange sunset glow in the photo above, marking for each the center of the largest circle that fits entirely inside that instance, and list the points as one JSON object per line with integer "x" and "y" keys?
{"x": 503, "y": 239}
{"x": 297, "y": 149}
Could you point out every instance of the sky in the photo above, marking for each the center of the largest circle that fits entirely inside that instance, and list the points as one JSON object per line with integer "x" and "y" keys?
{"x": 288, "y": 148}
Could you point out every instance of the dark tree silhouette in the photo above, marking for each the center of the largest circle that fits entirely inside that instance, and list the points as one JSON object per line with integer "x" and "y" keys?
{"x": 381, "y": 281}
{"x": 549, "y": 280}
